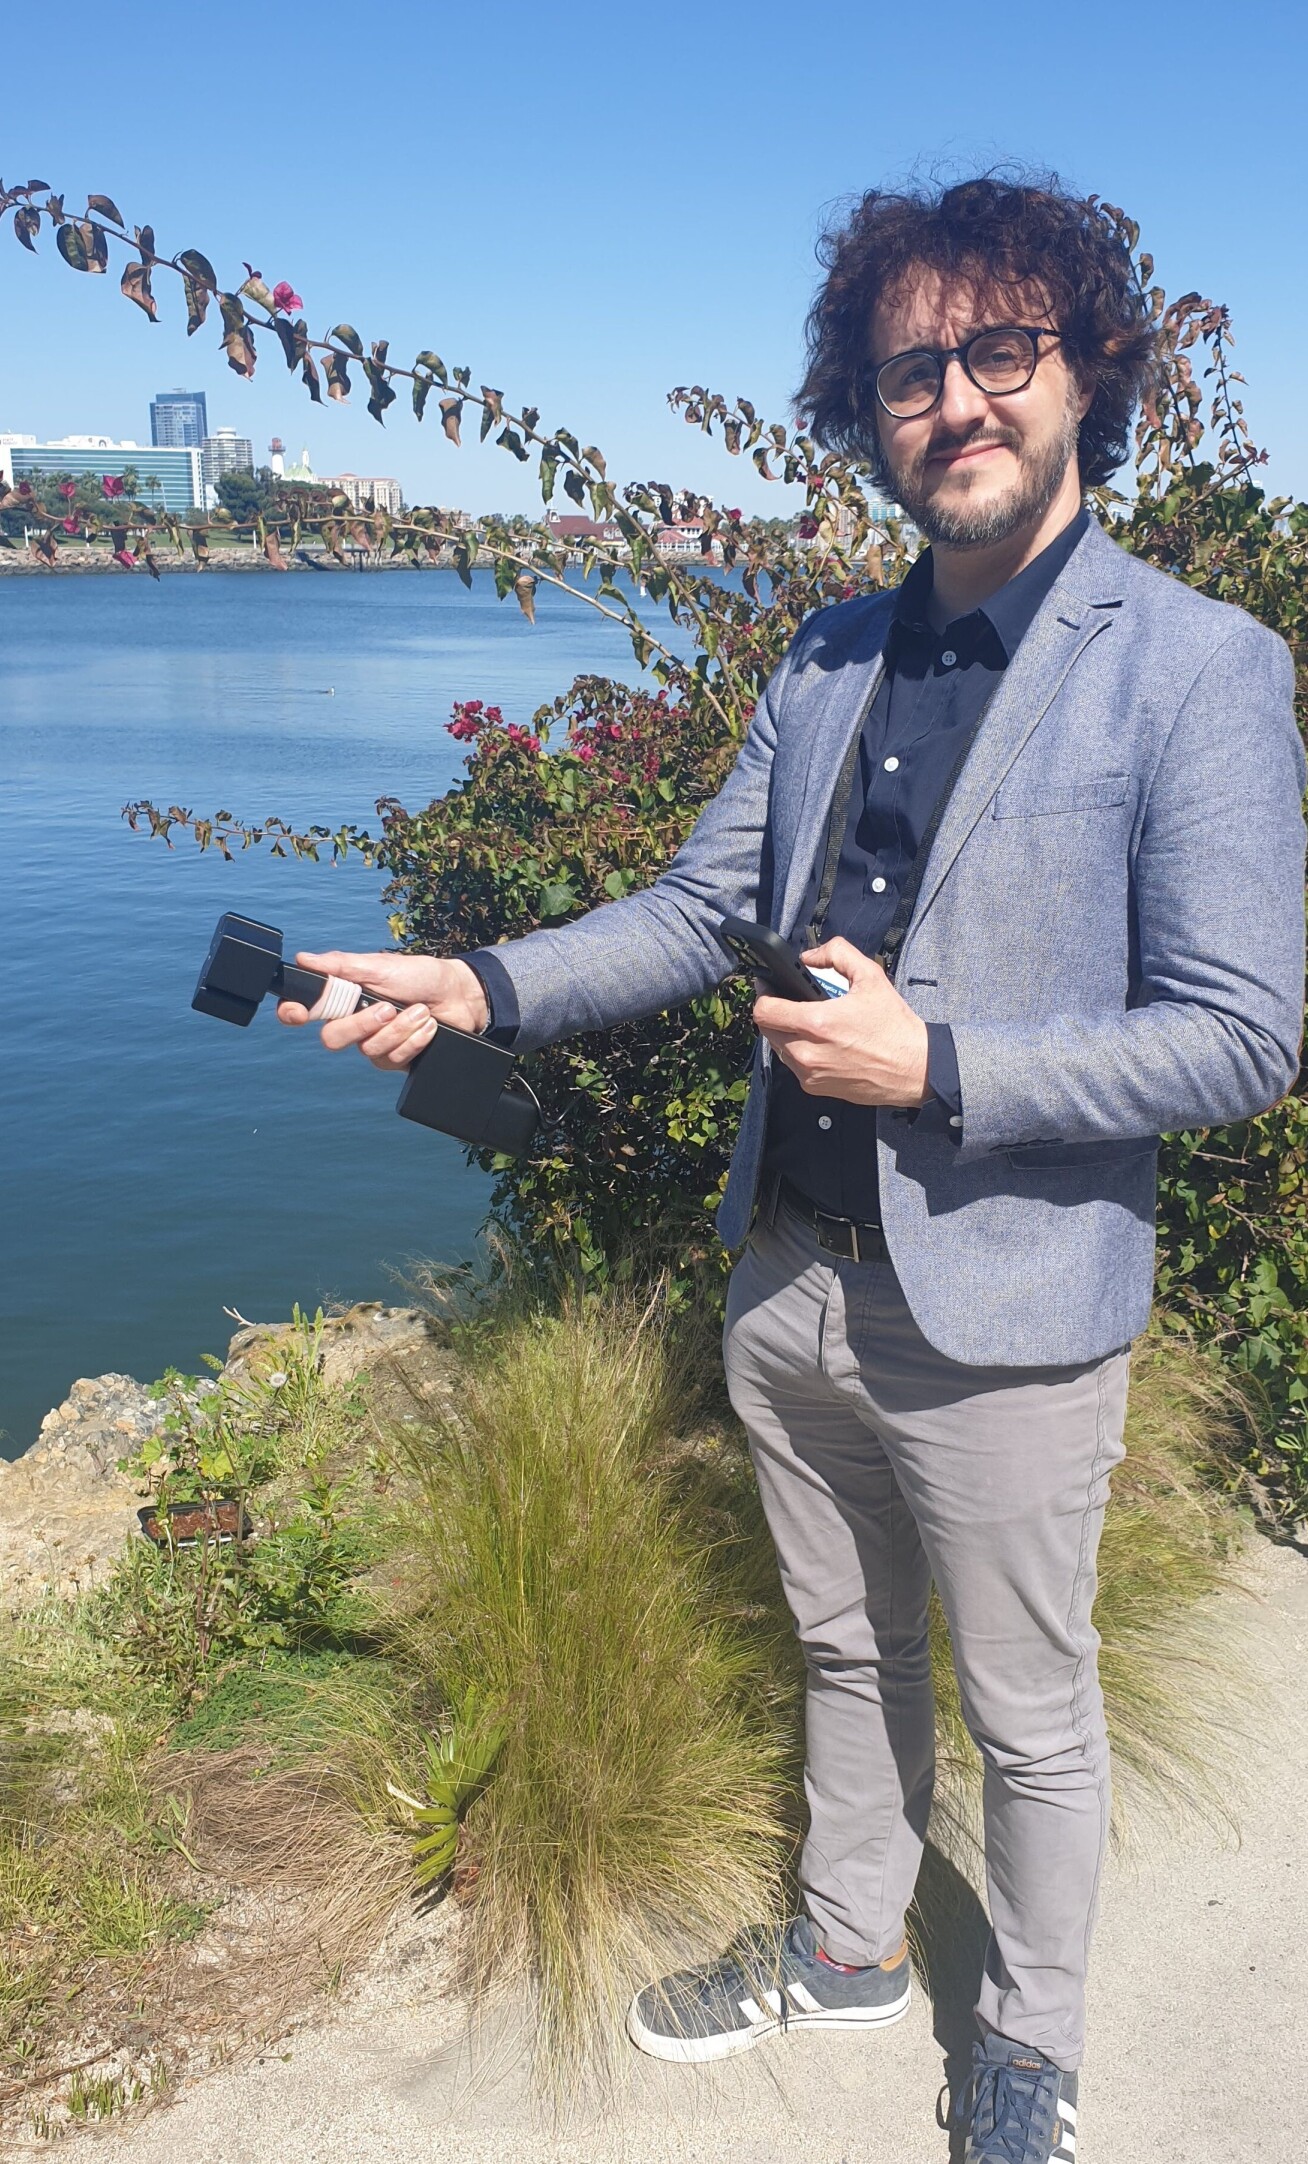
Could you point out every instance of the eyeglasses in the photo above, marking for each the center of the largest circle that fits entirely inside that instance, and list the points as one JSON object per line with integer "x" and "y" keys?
{"x": 999, "y": 362}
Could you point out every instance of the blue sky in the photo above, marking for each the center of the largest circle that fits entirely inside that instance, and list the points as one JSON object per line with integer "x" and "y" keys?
{"x": 589, "y": 204}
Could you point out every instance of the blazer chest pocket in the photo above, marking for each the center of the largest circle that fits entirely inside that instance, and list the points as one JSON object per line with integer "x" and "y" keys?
{"x": 1032, "y": 800}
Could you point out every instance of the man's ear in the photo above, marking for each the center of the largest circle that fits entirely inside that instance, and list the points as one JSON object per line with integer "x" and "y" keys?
{"x": 1085, "y": 397}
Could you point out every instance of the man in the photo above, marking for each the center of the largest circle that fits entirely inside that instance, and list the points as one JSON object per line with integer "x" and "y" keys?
{"x": 1041, "y": 807}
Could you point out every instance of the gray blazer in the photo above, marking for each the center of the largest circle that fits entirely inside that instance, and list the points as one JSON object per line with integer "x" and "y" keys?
{"x": 1111, "y": 918}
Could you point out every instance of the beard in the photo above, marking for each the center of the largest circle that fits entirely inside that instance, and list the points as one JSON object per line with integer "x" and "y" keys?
{"x": 972, "y": 526}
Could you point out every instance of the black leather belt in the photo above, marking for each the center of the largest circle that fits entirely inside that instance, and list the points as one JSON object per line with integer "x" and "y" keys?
{"x": 844, "y": 1236}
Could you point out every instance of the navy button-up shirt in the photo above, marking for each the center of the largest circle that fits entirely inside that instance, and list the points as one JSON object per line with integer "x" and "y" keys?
{"x": 934, "y": 688}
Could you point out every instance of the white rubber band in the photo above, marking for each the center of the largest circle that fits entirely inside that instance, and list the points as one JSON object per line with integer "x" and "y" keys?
{"x": 339, "y": 998}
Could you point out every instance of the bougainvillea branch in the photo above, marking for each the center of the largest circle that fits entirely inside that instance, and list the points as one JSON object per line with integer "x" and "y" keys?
{"x": 250, "y": 311}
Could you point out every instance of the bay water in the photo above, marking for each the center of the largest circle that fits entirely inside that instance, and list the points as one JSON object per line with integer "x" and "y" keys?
{"x": 156, "y": 1166}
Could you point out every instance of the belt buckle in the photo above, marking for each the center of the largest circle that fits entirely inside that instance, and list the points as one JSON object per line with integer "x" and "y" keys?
{"x": 828, "y": 1217}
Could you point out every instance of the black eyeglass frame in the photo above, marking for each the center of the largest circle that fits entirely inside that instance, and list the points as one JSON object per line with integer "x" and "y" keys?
{"x": 943, "y": 355}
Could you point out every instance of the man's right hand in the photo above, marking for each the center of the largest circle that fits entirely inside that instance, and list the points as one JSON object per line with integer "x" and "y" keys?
{"x": 420, "y": 992}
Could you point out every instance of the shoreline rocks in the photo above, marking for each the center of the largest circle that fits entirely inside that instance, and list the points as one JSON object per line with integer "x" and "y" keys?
{"x": 66, "y": 1510}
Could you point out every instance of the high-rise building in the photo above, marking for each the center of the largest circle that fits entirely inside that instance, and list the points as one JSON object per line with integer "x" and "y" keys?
{"x": 165, "y": 477}
{"x": 179, "y": 419}
{"x": 226, "y": 452}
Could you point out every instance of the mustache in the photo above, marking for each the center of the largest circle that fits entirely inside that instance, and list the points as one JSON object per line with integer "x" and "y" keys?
{"x": 974, "y": 439}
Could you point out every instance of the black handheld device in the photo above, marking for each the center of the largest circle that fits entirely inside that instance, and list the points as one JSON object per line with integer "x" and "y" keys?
{"x": 460, "y": 1084}
{"x": 763, "y": 953}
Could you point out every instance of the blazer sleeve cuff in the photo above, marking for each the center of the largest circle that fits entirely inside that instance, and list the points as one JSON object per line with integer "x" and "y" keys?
{"x": 501, "y": 998}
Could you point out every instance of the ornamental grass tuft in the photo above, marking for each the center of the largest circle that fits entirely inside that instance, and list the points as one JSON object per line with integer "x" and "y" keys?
{"x": 636, "y": 1817}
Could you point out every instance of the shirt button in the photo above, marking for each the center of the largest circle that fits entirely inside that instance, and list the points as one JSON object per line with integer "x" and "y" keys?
{"x": 878, "y": 886}
{"x": 891, "y": 765}
{"x": 949, "y": 657}
{"x": 824, "y": 1122}
{"x": 955, "y": 1119}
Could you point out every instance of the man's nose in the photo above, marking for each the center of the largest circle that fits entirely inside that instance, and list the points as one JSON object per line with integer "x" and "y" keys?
{"x": 962, "y": 404}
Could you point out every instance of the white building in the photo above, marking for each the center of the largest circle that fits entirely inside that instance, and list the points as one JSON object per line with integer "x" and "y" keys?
{"x": 226, "y": 452}
{"x": 377, "y": 491}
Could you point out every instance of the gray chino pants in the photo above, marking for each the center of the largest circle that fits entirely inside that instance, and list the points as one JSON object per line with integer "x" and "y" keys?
{"x": 883, "y": 1465}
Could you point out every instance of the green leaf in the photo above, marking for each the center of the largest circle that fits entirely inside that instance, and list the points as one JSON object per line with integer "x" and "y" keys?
{"x": 383, "y": 394}
{"x": 197, "y": 305}
{"x": 557, "y": 899}
{"x": 77, "y": 246}
{"x": 27, "y": 224}
{"x": 348, "y": 336}
{"x": 198, "y": 268}
{"x": 434, "y": 362}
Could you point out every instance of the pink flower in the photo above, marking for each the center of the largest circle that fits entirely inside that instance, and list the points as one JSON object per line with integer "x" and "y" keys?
{"x": 112, "y": 484}
{"x": 735, "y": 517}
{"x": 69, "y": 525}
{"x": 68, "y": 488}
{"x": 584, "y": 752}
{"x": 285, "y": 296}
{"x": 807, "y": 528}
{"x": 125, "y": 558}
{"x": 24, "y": 488}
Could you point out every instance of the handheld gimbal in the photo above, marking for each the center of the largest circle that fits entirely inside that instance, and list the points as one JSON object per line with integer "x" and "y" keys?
{"x": 460, "y": 1084}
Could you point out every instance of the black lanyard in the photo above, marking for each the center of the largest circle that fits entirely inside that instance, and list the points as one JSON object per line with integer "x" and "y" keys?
{"x": 836, "y": 823}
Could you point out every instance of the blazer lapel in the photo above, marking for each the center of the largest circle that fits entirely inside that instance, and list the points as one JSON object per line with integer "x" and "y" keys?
{"x": 1067, "y": 622}
{"x": 842, "y": 692}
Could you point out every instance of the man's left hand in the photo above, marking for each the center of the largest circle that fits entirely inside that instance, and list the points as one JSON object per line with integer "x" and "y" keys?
{"x": 868, "y": 1047}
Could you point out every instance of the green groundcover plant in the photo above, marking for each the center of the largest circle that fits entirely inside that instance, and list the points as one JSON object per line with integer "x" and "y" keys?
{"x": 554, "y": 819}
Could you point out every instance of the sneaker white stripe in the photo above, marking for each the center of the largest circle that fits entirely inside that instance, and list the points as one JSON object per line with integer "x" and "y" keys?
{"x": 754, "y": 2013}
{"x": 1067, "y": 2111}
{"x": 803, "y": 1998}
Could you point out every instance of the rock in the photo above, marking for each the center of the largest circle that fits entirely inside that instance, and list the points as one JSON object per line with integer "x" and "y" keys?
{"x": 65, "y": 1509}
{"x": 352, "y": 1342}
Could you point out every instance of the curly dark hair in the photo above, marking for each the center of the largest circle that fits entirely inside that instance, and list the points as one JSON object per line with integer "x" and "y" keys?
{"x": 1004, "y": 236}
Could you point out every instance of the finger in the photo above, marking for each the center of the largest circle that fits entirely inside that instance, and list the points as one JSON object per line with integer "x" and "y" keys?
{"x": 292, "y": 1013}
{"x": 406, "y": 1051}
{"x": 788, "y": 1017}
{"x": 839, "y": 954}
{"x": 785, "y": 1051}
{"x": 380, "y": 1044}
{"x": 359, "y": 968}
{"x": 356, "y": 1028}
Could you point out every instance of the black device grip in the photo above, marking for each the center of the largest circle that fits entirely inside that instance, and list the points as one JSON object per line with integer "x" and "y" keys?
{"x": 460, "y": 1085}
{"x": 468, "y": 1088}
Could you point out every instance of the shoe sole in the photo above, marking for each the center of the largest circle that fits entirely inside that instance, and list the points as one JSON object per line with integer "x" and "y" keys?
{"x": 695, "y": 2050}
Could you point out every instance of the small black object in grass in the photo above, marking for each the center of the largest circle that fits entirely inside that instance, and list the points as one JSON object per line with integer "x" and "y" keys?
{"x": 185, "y": 1525}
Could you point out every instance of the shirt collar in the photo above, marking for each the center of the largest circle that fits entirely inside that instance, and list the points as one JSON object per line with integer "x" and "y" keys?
{"x": 1011, "y": 612}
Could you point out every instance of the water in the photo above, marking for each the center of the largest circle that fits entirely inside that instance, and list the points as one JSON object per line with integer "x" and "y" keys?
{"x": 158, "y": 1167}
